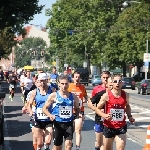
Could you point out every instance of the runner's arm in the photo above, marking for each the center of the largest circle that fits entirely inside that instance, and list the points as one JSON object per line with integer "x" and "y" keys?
{"x": 76, "y": 104}
{"x": 32, "y": 98}
{"x": 85, "y": 96}
{"x": 100, "y": 105}
{"x": 128, "y": 108}
{"x": 48, "y": 103}
{"x": 90, "y": 105}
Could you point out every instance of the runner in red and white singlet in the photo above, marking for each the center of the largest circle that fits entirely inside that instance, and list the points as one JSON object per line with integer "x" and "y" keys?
{"x": 117, "y": 105}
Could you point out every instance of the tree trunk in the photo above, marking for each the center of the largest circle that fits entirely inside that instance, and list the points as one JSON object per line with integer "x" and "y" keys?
{"x": 138, "y": 70}
{"x": 124, "y": 68}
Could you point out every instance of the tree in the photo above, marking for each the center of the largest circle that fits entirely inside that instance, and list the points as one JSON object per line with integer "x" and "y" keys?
{"x": 78, "y": 24}
{"x": 28, "y": 49}
{"x": 126, "y": 40}
{"x": 13, "y": 16}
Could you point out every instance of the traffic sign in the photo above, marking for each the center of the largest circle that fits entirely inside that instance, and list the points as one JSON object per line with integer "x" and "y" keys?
{"x": 146, "y": 57}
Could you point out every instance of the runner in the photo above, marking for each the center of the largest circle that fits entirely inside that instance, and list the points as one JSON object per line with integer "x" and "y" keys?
{"x": 116, "y": 104}
{"x": 12, "y": 80}
{"x": 54, "y": 76}
{"x": 22, "y": 77}
{"x": 69, "y": 77}
{"x": 42, "y": 123}
{"x": 27, "y": 84}
{"x": 62, "y": 113}
{"x": 80, "y": 91}
{"x": 96, "y": 93}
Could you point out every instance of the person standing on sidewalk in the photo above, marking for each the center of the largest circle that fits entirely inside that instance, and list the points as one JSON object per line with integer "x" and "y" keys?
{"x": 97, "y": 92}
{"x": 80, "y": 91}
{"x": 62, "y": 103}
{"x": 116, "y": 104}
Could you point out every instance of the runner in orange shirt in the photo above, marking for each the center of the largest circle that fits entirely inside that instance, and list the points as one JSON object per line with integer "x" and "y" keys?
{"x": 81, "y": 93}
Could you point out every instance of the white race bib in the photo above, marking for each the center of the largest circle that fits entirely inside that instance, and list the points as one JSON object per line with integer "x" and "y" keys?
{"x": 117, "y": 114}
{"x": 80, "y": 103}
{"x": 53, "y": 80}
{"x": 65, "y": 111}
{"x": 40, "y": 114}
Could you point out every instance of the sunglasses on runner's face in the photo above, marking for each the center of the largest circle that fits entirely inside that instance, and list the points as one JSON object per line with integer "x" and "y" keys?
{"x": 64, "y": 83}
{"x": 117, "y": 81}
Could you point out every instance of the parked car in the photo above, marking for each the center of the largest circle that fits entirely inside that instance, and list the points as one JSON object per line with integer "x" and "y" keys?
{"x": 128, "y": 83}
{"x": 84, "y": 75}
{"x": 96, "y": 80}
{"x": 144, "y": 86}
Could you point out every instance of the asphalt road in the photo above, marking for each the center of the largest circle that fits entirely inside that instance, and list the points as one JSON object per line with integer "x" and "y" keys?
{"x": 18, "y": 134}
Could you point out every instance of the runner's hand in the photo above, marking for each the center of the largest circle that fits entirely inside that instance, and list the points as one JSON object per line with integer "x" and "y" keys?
{"x": 108, "y": 117}
{"x": 132, "y": 120}
{"x": 23, "y": 110}
{"x": 31, "y": 113}
{"x": 52, "y": 118}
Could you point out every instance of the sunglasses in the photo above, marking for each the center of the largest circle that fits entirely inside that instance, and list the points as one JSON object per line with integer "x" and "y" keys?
{"x": 117, "y": 81}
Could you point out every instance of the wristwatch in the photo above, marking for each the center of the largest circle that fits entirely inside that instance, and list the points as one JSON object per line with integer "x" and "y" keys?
{"x": 129, "y": 116}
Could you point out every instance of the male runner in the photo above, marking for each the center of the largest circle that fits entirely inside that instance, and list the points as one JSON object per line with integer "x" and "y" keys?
{"x": 27, "y": 83}
{"x": 42, "y": 122}
{"x": 116, "y": 104}
{"x": 54, "y": 76}
{"x": 80, "y": 91}
{"x": 97, "y": 92}
{"x": 62, "y": 113}
{"x": 12, "y": 80}
{"x": 69, "y": 77}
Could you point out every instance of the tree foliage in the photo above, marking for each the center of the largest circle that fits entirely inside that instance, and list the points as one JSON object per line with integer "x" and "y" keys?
{"x": 78, "y": 24}
{"x": 26, "y": 49}
{"x": 101, "y": 28}
{"x": 13, "y": 15}
{"x": 126, "y": 39}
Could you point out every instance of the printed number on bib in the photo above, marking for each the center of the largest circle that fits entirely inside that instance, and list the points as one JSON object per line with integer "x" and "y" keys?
{"x": 53, "y": 80}
{"x": 80, "y": 103}
{"x": 65, "y": 111}
{"x": 40, "y": 114}
{"x": 117, "y": 114}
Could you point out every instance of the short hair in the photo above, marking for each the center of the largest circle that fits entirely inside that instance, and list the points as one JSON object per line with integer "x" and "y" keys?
{"x": 76, "y": 72}
{"x": 116, "y": 75}
{"x": 40, "y": 69}
{"x": 63, "y": 77}
{"x": 54, "y": 67}
{"x": 105, "y": 72}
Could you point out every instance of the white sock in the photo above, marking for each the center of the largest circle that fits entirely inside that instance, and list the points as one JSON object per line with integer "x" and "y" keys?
{"x": 46, "y": 146}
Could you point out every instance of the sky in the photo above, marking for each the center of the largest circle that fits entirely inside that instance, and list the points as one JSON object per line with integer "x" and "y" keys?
{"x": 41, "y": 19}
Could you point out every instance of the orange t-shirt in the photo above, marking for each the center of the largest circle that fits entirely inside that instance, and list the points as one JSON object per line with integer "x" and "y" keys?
{"x": 80, "y": 92}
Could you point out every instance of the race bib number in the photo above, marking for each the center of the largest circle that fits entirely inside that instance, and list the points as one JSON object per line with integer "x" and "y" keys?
{"x": 117, "y": 114}
{"x": 65, "y": 112}
{"x": 53, "y": 80}
{"x": 80, "y": 103}
{"x": 40, "y": 114}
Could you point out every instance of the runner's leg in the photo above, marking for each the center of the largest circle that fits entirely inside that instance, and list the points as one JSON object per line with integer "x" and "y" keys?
{"x": 78, "y": 128}
{"x": 120, "y": 141}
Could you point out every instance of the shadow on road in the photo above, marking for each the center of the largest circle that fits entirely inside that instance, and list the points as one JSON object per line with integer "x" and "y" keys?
{"x": 21, "y": 145}
{"x": 9, "y": 109}
{"x": 88, "y": 125}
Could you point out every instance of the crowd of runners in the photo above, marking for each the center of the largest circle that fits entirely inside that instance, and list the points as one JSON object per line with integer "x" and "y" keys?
{"x": 55, "y": 105}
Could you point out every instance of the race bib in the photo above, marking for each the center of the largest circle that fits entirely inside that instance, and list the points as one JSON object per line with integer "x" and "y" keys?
{"x": 65, "y": 111}
{"x": 12, "y": 86}
{"x": 80, "y": 103}
{"x": 40, "y": 114}
{"x": 117, "y": 114}
{"x": 53, "y": 80}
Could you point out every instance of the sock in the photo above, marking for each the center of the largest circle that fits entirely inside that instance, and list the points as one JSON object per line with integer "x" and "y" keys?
{"x": 35, "y": 146}
{"x": 12, "y": 95}
{"x": 46, "y": 146}
{"x": 97, "y": 148}
{"x": 77, "y": 147}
